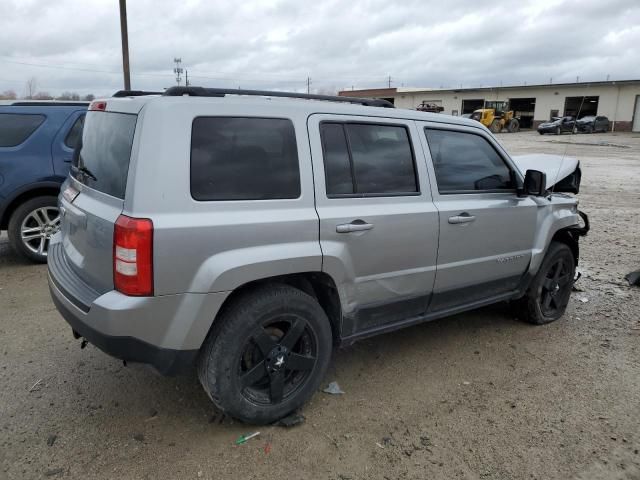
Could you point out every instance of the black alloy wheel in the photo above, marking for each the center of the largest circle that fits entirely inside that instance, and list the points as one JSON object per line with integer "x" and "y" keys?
{"x": 556, "y": 288}
{"x": 548, "y": 294}
{"x": 277, "y": 360}
{"x": 266, "y": 354}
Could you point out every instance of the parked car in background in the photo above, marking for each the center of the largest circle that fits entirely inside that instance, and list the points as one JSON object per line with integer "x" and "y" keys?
{"x": 557, "y": 125}
{"x": 591, "y": 124}
{"x": 249, "y": 236}
{"x": 37, "y": 140}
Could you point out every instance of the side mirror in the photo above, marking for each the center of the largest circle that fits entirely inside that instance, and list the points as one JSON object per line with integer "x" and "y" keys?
{"x": 535, "y": 183}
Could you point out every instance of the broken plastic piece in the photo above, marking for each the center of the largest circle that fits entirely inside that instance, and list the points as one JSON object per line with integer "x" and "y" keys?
{"x": 633, "y": 278}
{"x": 290, "y": 420}
{"x": 333, "y": 388}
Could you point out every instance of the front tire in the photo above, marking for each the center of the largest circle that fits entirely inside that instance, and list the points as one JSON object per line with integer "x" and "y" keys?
{"x": 495, "y": 126}
{"x": 32, "y": 225}
{"x": 558, "y": 131}
{"x": 548, "y": 295}
{"x": 266, "y": 354}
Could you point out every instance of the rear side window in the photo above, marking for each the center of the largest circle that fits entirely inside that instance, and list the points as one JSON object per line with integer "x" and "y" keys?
{"x": 15, "y": 128}
{"x": 241, "y": 158}
{"x": 74, "y": 135}
{"x": 465, "y": 162}
{"x": 367, "y": 159}
{"x": 105, "y": 151}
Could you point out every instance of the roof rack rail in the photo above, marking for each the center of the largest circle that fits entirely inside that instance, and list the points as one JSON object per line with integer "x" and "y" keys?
{"x": 49, "y": 103}
{"x": 221, "y": 92}
{"x": 134, "y": 93}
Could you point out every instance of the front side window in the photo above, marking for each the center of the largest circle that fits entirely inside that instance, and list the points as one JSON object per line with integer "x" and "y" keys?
{"x": 466, "y": 162}
{"x": 242, "y": 158}
{"x": 15, "y": 128}
{"x": 367, "y": 159}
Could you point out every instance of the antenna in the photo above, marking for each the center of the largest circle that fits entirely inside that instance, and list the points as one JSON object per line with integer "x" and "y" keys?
{"x": 566, "y": 148}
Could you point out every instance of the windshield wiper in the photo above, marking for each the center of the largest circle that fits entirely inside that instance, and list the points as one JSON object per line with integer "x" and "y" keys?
{"x": 88, "y": 173}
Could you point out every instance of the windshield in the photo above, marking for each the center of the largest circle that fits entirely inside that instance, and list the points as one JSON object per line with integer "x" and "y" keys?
{"x": 102, "y": 162}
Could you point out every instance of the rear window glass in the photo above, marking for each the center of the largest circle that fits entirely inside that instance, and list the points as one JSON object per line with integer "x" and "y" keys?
{"x": 73, "y": 137}
{"x": 238, "y": 158}
{"x": 15, "y": 128}
{"x": 103, "y": 160}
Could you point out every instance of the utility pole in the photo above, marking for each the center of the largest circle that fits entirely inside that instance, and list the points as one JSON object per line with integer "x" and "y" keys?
{"x": 186, "y": 78}
{"x": 125, "y": 44}
{"x": 178, "y": 69}
{"x": 389, "y": 81}
{"x": 308, "y": 84}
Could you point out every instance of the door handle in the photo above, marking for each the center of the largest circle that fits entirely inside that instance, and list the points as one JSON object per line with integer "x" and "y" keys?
{"x": 464, "y": 217}
{"x": 67, "y": 159}
{"x": 355, "y": 226}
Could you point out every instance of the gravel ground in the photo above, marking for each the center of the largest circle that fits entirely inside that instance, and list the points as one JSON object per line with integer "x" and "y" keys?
{"x": 475, "y": 396}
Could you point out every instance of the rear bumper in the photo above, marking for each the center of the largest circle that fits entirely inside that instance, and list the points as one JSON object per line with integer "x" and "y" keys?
{"x": 165, "y": 332}
{"x": 165, "y": 360}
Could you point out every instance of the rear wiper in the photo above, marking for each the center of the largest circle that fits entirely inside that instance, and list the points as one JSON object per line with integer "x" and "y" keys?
{"x": 88, "y": 173}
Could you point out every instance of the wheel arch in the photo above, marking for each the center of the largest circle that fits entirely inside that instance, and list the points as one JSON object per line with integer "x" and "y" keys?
{"x": 570, "y": 239}
{"x": 319, "y": 285}
{"x": 25, "y": 194}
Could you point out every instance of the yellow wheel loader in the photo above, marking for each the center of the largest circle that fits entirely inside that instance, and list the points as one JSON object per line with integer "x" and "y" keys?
{"x": 497, "y": 117}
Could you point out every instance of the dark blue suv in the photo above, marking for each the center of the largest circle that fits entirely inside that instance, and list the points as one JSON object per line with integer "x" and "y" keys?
{"x": 37, "y": 140}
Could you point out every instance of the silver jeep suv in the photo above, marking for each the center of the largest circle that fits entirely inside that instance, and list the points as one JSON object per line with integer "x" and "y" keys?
{"x": 249, "y": 233}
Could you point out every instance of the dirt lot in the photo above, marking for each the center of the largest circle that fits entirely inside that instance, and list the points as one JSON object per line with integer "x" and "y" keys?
{"x": 475, "y": 396}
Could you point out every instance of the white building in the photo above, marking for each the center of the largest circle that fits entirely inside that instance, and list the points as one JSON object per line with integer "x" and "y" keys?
{"x": 534, "y": 104}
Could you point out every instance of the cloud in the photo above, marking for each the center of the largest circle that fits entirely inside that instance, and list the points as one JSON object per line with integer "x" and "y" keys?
{"x": 277, "y": 44}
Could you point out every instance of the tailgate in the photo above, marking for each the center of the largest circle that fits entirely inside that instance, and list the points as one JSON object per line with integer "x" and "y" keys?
{"x": 93, "y": 196}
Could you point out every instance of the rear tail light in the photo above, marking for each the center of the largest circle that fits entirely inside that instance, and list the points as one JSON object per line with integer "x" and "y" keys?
{"x": 98, "y": 105}
{"x": 133, "y": 256}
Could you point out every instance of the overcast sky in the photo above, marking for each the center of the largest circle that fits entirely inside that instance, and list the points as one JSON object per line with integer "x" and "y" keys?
{"x": 75, "y": 45}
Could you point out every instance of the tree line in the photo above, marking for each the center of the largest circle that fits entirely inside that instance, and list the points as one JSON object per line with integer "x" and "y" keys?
{"x": 31, "y": 92}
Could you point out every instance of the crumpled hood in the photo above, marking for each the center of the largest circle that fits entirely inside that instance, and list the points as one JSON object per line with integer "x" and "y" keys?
{"x": 556, "y": 167}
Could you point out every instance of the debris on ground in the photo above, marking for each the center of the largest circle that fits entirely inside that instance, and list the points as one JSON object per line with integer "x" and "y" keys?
{"x": 245, "y": 438}
{"x": 290, "y": 420}
{"x": 51, "y": 440}
{"x": 267, "y": 448}
{"x": 37, "y": 384}
{"x": 333, "y": 388}
{"x": 53, "y": 472}
{"x": 584, "y": 299}
{"x": 138, "y": 437}
{"x": 633, "y": 278}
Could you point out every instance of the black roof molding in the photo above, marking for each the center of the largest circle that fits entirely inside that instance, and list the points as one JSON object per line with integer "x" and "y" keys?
{"x": 51, "y": 103}
{"x": 221, "y": 92}
{"x": 134, "y": 93}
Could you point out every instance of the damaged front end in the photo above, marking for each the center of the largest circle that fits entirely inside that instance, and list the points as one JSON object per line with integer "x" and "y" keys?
{"x": 563, "y": 173}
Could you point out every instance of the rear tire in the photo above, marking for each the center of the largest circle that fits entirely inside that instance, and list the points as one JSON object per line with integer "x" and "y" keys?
{"x": 548, "y": 295}
{"x": 514, "y": 126}
{"x": 558, "y": 131}
{"x": 32, "y": 225}
{"x": 266, "y": 354}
